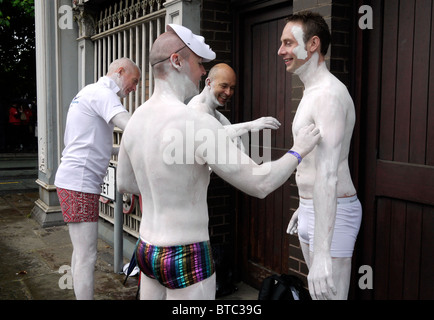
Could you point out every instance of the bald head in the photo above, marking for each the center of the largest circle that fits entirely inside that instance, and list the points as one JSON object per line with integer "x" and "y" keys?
{"x": 126, "y": 74}
{"x": 222, "y": 70}
{"x": 222, "y": 82}
{"x": 124, "y": 63}
{"x": 164, "y": 46}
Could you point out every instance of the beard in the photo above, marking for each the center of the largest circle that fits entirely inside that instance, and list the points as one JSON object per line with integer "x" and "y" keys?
{"x": 120, "y": 83}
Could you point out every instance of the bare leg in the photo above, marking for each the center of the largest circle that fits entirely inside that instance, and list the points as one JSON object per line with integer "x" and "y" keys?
{"x": 341, "y": 272}
{"x": 151, "y": 289}
{"x": 84, "y": 236}
{"x": 306, "y": 253}
{"x": 203, "y": 290}
{"x": 341, "y": 277}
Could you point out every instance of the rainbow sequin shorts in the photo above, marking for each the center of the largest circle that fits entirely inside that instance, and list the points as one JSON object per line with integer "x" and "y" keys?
{"x": 175, "y": 267}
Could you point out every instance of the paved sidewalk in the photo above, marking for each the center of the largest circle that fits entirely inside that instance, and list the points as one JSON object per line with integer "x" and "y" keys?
{"x": 32, "y": 259}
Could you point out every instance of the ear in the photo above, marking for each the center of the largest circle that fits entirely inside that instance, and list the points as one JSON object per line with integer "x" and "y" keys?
{"x": 208, "y": 82}
{"x": 120, "y": 70}
{"x": 175, "y": 61}
{"x": 315, "y": 44}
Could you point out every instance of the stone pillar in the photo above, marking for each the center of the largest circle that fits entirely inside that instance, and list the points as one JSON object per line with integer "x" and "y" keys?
{"x": 56, "y": 69}
{"x": 185, "y": 13}
{"x": 86, "y": 29}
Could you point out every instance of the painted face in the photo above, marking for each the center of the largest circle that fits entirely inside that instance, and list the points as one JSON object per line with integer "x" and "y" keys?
{"x": 293, "y": 49}
{"x": 197, "y": 70}
{"x": 193, "y": 71}
{"x": 128, "y": 81}
{"x": 223, "y": 87}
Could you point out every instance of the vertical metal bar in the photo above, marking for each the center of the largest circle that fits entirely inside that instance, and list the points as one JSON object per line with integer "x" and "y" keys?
{"x": 95, "y": 61}
{"x": 99, "y": 59}
{"x": 109, "y": 51}
{"x": 144, "y": 66}
{"x": 151, "y": 80}
{"x": 137, "y": 60}
{"x": 130, "y": 55}
{"x": 104, "y": 57}
{"x": 114, "y": 47}
{"x": 118, "y": 230}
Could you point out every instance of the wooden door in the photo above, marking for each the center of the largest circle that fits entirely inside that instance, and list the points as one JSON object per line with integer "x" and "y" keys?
{"x": 264, "y": 89}
{"x": 397, "y": 105}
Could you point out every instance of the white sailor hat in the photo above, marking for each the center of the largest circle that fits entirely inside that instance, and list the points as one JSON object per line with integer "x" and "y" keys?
{"x": 194, "y": 42}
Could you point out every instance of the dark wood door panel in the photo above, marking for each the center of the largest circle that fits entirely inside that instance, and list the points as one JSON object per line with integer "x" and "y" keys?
{"x": 405, "y": 181}
{"x": 265, "y": 90}
{"x": 404, "y": 246}
{"x": 398, "y": 220}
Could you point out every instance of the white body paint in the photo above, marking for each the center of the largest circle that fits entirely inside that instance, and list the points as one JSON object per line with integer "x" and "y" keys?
{"x": 174, "y": 197}
{"x": 207, "y": 102}
{"x": 324, "y": 174}
{"x": 300, "y": 50}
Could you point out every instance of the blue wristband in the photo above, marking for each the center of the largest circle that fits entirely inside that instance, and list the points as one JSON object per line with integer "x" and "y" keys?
{"x": 295, "y": 154}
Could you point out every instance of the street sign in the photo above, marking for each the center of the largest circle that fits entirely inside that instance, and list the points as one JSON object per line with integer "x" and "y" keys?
{"x": 108, "y": 188}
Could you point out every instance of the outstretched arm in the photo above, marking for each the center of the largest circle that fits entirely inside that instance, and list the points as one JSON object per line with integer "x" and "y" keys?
{"x": 238, "y": 129}
{"x": 249, "y": 177}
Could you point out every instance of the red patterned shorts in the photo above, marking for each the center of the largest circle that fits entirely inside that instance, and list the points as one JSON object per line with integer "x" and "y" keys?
{"x": 78, "y": 206}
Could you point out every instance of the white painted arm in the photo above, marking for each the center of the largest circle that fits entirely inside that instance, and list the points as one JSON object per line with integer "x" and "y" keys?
{"x": 125, "y": 177}
{"x": 120, "y": 120}
{"x": 331, "y": 121}
{"x": 251, "y": 178}
{"x": 238, "y": 129}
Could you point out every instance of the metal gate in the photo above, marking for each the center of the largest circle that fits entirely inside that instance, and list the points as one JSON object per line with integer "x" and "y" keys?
{"x": 127, "y": 28}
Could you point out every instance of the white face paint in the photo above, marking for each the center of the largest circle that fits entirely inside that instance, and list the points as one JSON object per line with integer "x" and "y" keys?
{"x": 120, "y": 83}
{"x": 308, "y": 71}
{"x": 300, "y": 50}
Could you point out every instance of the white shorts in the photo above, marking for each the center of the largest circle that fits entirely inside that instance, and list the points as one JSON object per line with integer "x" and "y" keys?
{"x": 347, "y": 225}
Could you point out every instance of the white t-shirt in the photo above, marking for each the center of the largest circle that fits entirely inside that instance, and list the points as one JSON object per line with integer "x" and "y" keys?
{"x": 89, "y": 137}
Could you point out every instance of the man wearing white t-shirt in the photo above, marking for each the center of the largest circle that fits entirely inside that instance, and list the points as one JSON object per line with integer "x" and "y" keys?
{"x": 92, "y": 116}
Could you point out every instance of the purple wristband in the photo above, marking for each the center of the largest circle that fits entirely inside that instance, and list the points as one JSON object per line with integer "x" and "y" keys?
{"x": 295, "y": 154}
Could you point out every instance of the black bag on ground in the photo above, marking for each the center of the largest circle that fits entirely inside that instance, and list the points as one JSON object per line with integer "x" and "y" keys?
{"x": 283, "y": 287}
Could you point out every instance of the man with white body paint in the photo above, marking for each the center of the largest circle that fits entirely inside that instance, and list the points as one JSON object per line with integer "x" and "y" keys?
{"x": 219, "y": 88}
{"x": 329, "y": 216}
{"x": 173, "y": 251}
{"x": 91, "y": 118}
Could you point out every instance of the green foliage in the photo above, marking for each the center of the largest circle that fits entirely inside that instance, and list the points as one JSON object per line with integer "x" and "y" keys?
{"x": 17, "y": 49}
{"x": 26, "y": 6}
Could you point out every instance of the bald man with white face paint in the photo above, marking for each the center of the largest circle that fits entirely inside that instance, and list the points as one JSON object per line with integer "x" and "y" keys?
{"x": 219, "y": 88}
{"x": 165, "y": 156}
{"x": 329, "y": 215}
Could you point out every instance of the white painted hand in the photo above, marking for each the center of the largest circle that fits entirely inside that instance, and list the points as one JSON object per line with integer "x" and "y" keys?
{"x": 306, "y": 139}
{"x": 293, "y": 224}
{"x": 320, "y": 279}
{"x": 264, "y": 123}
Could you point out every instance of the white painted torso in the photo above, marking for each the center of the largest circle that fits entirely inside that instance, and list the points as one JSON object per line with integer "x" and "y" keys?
{"x": 326, "y": 103}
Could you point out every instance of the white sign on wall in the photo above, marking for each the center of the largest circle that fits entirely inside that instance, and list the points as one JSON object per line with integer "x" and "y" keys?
{"x": 108, "y": 188}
